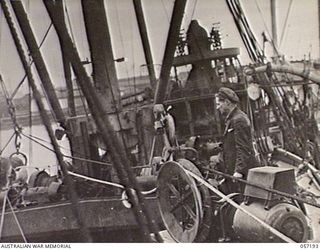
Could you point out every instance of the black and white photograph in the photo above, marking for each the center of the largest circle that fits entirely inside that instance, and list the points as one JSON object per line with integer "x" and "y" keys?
{"x": 159, "y": 121}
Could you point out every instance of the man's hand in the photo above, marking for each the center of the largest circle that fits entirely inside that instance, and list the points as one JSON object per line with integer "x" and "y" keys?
{"x": 238, "y": 175}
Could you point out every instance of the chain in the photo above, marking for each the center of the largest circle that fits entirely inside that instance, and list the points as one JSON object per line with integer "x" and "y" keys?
{"x": 12, "y": 112}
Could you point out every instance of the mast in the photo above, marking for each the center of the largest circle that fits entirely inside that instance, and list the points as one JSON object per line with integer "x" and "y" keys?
{"x": 274, "y": 26}
{"x": 172, "y": 40}
{"x": 145, "y": 41}
{"x": 104, "y": 71}
{"x": 30, "y": 39}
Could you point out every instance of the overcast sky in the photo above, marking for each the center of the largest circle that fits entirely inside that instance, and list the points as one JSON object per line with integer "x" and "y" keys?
{"x": 300, "y": 37}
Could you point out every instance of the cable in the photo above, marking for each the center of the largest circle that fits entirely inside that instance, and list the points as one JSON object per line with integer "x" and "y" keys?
{"x": 67, "y": 156}
{"x": 166, "y": 12}
{"x": 266, "y": 27}
{"x": 14, "y": 133}
{"x": 96, "y": 180}
{"x": 3, "y": 211}
{"x": 234, "y": 204}
{"x": 17, "y": 221}
{"x": 108, "y": 182}
{"x": 285, "y": 22}
{"x": 25, "y": 76}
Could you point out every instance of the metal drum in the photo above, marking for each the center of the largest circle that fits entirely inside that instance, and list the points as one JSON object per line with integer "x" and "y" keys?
{"x": 284, "y": 217}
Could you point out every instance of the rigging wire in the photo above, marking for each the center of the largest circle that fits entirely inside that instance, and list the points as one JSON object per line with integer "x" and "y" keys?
{"x": 17, "y": 221}
{"x": 73, "y": 40}
{"x": 285, "y": 23}
{"x": 194, "y": 8}
{"x": 3, "y": 211}
{"x": 266, "y": 27}
{"x": 25, "y": 76}
{"x": 30, "y": 126}
{"x": 64, "y": 155}
{"x": 69, "y": 21}
{"x": 5, "y": 146}
{"x": 122, "y": 41}
{"x": 165, "y": 11}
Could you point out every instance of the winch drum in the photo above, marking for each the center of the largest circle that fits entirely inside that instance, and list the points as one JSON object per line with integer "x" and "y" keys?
{"x": 284, "y": 217}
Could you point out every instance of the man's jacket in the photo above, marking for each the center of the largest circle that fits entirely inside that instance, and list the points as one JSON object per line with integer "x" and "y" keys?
{"x": 238, "y": 153}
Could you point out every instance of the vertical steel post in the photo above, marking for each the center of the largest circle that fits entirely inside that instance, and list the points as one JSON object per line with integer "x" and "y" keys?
{"x": 103, "y": 64}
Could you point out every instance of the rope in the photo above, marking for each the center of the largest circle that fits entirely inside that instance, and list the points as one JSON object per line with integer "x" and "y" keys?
{"x": 5, "y": 146}
{"x": 91, "y": 161}
{"x": 6, "y": 199}
{"x": 285, "y": 22}
{"x": 108, "y": 182}
{"x": 25, "y": 76}
{"x": 17, "y": 221}
{"x": 266, "y": 27}
{"x": 96, "y": 180}
{"x": 234, "y": 204}
{"x": 67, "y": 156}
{"x": 3, "y": 211}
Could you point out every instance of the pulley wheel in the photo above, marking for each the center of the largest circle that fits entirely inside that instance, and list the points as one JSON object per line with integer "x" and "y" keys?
{"x": 179, "y": 202}
{"x": 205, "y": 224}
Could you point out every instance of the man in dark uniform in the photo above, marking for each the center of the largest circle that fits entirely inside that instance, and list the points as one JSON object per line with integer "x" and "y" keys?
{"x": 238, "y": 152}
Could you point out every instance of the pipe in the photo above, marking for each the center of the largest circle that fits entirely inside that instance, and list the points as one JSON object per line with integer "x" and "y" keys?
{"x": 312, "y": 76}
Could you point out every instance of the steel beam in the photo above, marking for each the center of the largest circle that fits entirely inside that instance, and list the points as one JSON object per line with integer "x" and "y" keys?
{"x": 173, "y": 35}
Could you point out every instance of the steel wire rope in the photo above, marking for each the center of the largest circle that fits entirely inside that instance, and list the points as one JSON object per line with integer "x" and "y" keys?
{"x": 30, "y": 125}
{"x": 25, "y": 76}
{"x": 234, "y": 204}
{"x": 285, "y": 23}
{"x": 165, "y": 11}
{"x": 248, "y": 31}
{"x": 64, "y": 155}
{"x": 9, "y": 140}
{"x": 68, "y": 149}
{"x": 12, "y": 112}
{"x": 87, "y": 177}
{"x": 122, "y": 43}
{"x": 17, "y": 221}
{"x": 73, "y": 40}
{"x": 286, "y": 113}
{"x": 3, "y": 212}
{"x": 265, "y": 25}
{"x": 260, "y": 186}
{"x": 235, "y": 15}
{"x": 108, "y": 182}
{"x": 5, "y": 199}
